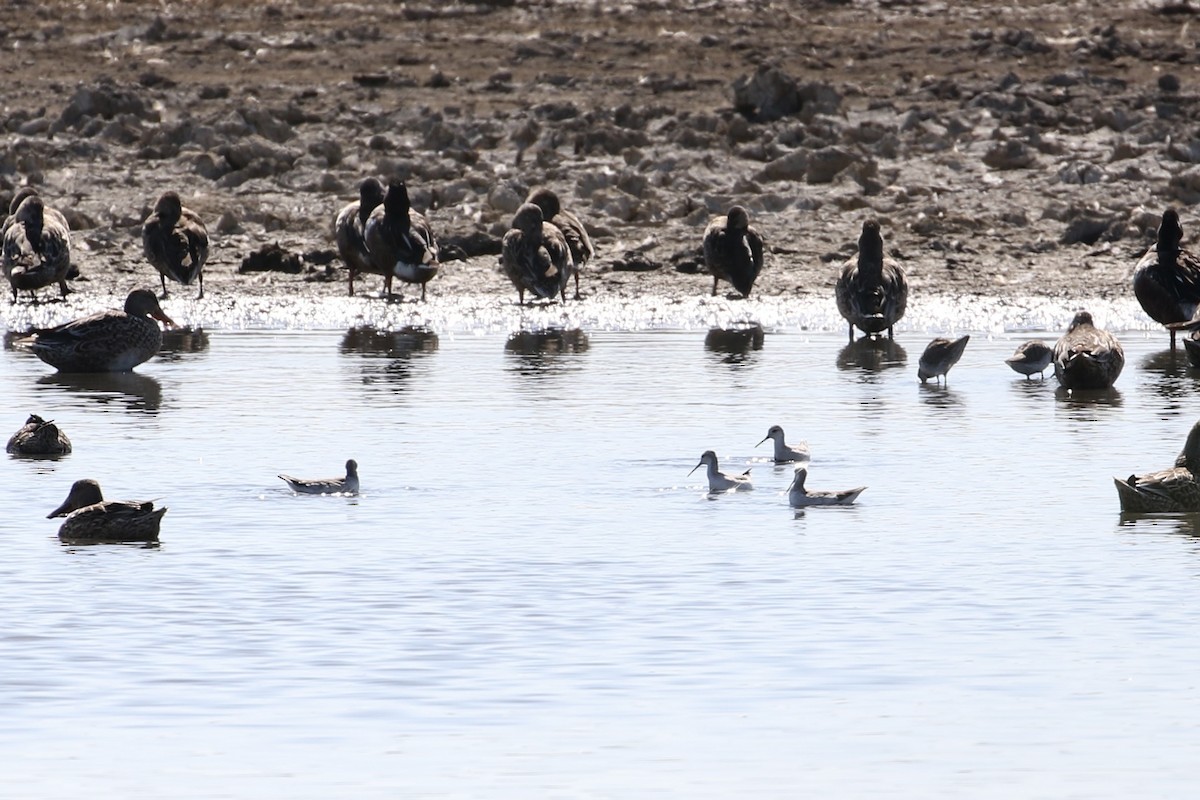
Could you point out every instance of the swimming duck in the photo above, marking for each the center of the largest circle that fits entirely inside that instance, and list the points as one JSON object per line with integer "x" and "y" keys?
{"x": 872, "y": 291}
{"x": 91, "y": 519}
{"x": 1173, "y": 489}
{"x": 1166, "y": 280}
{"x": 720, "y": 482}
{"x": 785, "y": 453}
{"x": 571, "y": 226}
{"x": 1087, "y": 357}
{"x": 400, "y": 243}
{"x": 38, "y": 437}
{"x": 799, "y": 497}
{"x": 36, "y": 248}
{"x": 733, "y": 251}
{"x": 350, "y": 229}
{"x": 346, "y": 485}
{"x": 1030, "y": 357}
{"x": 175, "y": 242}
{"x": 110, "y": 341}
{"x": 535, "y": 255}
{"x": 940, "y": 355}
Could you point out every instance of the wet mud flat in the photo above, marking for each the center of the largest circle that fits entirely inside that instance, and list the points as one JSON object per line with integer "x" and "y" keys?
{"x": 1008, "y": 151}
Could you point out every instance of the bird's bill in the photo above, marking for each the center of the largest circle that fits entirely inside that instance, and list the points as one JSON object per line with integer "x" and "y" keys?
{"x": 696, "y": 467}
{"x": 764, "y": 439}
{"x": 162, "y": 317}
{"x": 61, "y": 511}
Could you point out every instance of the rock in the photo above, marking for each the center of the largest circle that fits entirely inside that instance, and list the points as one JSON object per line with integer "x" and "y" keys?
{"x": 825, "y": 164}
{"x": 634, "y": 261}
{"x": 770, "y": 94}
{"x": 1185, "y": 186}
{"x": 1010, "y": 154}
{"x": 792, "y": 167}
{"x": 463, "y": 246}
{"x": 272, "y": 258}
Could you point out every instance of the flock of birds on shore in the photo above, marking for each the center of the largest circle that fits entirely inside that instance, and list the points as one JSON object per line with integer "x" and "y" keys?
{"x": 544, "y": 250}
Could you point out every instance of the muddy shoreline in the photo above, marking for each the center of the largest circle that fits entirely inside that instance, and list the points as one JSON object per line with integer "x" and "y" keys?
{"x": 1013, "y": 155}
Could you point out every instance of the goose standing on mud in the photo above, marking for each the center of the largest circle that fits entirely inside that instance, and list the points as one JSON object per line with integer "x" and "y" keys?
{"x": 940, "y": 355}
{"x": 36, "y": 248}
{"x": 175, "y": 242}
{"x": 346, "y": 485}
{"x": 1031, "y": 357}
{"x": 535, "y": 256}
{"x": 38, "y": 437}
{"x": 733, "y": 251}
{"x": 400, "y": 242}
{"x": 1087, "y": 357}
{"x": 571, "y": 226}
{"x": 350, "y": 229}
{"x": 1166, "y": 280}
{"x": 872, "y": 291}
{"x": 1173, "y": 489}
{"x": 110, "y": 341}
{"x": 719, "y": 481}
{"x": 90, "y": 519}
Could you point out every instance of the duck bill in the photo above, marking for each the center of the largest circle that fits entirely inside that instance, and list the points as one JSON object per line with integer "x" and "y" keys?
{"x": 61, "y": 511}
{"x": 162, "y": 317}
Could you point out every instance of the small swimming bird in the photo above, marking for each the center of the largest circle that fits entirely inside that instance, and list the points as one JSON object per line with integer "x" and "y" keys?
{"x": 733, "y": 251}
{"x": 38, "y": 437}
{"x": 110, "y": 341}
{"x": 400, "y": 242}
{"x": 90, "y": 519}
{"x": 872, "y": 291}
{"x": 571, "y": 226}
{"x": 36, "y": 248}
{"x": 350, "y": 229}
{"x": 1173, "y": 489}
{"x": 720, "y": 482}
{"x": 535, "y": 256}
{"x": 175, "y": 242}
{"x": 1166, "y": 281}
{"x": 940, "y": 355}
{"x": 346, "y": 485}
{"x": 799, "y": 497}
{"x": 1087, "y": 357}
{"x": 783, "y": 452}
{"x": 1031, "y": 357}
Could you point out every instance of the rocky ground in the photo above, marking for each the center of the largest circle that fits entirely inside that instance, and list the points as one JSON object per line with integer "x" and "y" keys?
{"x": 1007, "y": 150}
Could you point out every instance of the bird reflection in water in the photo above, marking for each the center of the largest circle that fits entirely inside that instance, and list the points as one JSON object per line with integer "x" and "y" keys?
{"x": 542, "y": 352}
{"x": 872, "y": 354}
{"x": 1170, "y": 378}
{"x": 737, "y": 345}
{"x": 939, "y": 396}
{"x": 179, "y": 342}
{"x": 1078, "y": 399}
{"x": 389, "y": 353}
{"x": 136, "y": 391}
{"x": 1185, "y": 524}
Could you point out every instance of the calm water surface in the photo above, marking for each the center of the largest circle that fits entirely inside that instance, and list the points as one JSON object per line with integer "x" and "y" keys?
{"x": 532, "y": 597}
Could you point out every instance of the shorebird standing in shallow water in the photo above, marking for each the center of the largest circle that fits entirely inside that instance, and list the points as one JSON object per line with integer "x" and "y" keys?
{"x": 110, "y": 341}
{"x": 1166, "y": 280}
{"x": 38, "y": 437}
{"x": 571, "y": 226}
{"x": 872, "y": 291}
{"x": 720, "y": 482}
{"x": 733, "y": 251}
{"x": 1031, "y": 357}
{"x": 940, "y": 355}
{"x": 90, "y": 519}
{"x": 400, "y": 242}
{"x": 785, "y": 453}
{"x": 175, "y": 242}
{"x": 37, "y": 248}
{"x": 799, "y": 497}
{"x": 535, "y": 256}
{"x": 350, "y": 229}
{"x": 346, "y": 485}
{"x": 1173, "y": 489}
{"x": 1087, "y": 357}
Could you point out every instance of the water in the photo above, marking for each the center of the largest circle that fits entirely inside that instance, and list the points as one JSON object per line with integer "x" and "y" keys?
{"x": 532, "y": 598}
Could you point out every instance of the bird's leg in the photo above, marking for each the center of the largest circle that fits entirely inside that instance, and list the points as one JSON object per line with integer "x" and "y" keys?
{"x": 714, "y": 292}
{"x": 164, "y": 294}
{"x": 576, "y": 284}
{"x": 422, "y": 293}
{"x": 201, "y": 295}
{"x": 352, "y": 282}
